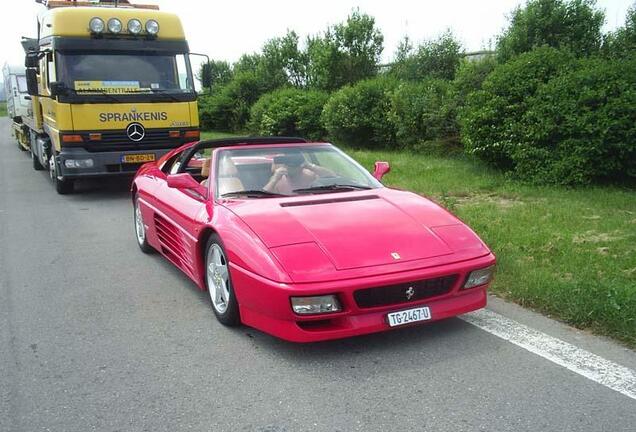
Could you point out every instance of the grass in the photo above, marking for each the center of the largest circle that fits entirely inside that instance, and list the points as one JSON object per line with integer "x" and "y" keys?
{"x": 215, "y": 135}
{"x": 569, "y": 253}
{"x": 3, "y": 109}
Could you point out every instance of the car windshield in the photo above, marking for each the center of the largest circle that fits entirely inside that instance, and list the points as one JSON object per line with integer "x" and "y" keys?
{"x": 288, "y": 171}
{"x": 121, "y": 73}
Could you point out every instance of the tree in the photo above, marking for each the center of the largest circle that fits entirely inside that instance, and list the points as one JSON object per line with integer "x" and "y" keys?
{"x": 345, "y": 53}
{"x": 622, "y": 42}
{"x": 283, "y": 62}
{"x": 438, "y": 58}
{"x": 214, "y": 74}
{"x": 571, "y": 24}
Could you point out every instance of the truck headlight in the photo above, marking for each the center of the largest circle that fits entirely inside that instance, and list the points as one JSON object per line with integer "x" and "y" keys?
{"x": 152, "y": 27}
{"x": 114, "y": 25}
{"x": 79, "y": 163}
{"x": 479, "y": 277}
{"x": 134, "y": 26}
{"x": 96, "y": 25}
{"x": 315, "y": 305}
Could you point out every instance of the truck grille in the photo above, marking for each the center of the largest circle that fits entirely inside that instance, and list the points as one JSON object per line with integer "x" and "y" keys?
{"x": 119, "y": 141}
{"x": 396, "y": 294}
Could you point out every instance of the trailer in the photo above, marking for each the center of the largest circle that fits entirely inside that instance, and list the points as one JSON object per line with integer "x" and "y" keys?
{"x": 18, "y": 102}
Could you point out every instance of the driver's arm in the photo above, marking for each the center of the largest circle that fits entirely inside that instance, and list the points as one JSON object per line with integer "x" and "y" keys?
{"x": 318, "y": 170}
{"x": 273, "y": 181}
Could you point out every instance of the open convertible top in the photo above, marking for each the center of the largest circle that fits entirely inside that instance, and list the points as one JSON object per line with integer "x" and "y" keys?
{"x": 240, "y": 141}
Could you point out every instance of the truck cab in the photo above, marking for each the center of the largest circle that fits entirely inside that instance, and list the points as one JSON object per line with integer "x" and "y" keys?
{"x": 112, "y": 88}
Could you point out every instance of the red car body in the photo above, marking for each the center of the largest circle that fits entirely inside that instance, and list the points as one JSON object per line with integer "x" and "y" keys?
{"x": 309, "y": 245}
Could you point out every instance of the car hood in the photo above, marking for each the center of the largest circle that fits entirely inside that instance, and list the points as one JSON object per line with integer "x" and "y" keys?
{"x": 353, "y": 230}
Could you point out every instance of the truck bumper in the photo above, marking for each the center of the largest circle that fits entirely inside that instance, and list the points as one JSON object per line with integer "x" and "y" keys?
{"x": 104, "y": 164}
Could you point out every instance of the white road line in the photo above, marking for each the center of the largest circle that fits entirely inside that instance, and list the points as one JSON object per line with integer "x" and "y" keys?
{"x": 591, "y": 366}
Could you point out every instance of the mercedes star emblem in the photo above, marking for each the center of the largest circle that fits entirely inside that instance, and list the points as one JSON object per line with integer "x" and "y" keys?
{"x": 410, "y": 292}
{"x": 136, "y": 132}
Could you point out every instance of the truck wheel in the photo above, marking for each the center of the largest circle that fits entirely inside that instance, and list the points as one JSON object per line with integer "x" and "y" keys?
{"x": 36, "y": 163}
{"x": 62, "y": 186}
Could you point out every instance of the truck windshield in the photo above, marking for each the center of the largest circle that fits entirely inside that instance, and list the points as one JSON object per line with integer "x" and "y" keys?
{"x": 124, "y": 73}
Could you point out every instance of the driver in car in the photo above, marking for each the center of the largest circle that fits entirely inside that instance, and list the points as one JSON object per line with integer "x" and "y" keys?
{"x": 291, "y": 172}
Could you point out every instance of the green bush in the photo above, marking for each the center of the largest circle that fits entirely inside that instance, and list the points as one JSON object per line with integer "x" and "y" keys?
{"x": 491, "y": 119}
{"x": 359, "y": 115}
{"x": 581, "y": 126}
{"x": 228, "y": 108}
{"x": 471, "y": 75}
{"x": 289, "y": 112}
{"x": 424, "y": 111}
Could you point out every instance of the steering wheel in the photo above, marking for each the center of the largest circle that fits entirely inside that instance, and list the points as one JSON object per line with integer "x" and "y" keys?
{"x": 326, "y": 181}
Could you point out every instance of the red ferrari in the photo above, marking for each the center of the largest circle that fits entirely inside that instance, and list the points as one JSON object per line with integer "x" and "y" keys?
{"x": 298, "y": 240}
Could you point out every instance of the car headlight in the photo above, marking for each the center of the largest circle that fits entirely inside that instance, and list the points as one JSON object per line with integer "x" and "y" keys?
{"x": 479, "y": 277}
{"x": 152, "y": 27}
{"x": 96, "y": 25}
{"x": 315, "y": 305}
{"x": 114, "y": 25}
{"x": 134, "y": 26}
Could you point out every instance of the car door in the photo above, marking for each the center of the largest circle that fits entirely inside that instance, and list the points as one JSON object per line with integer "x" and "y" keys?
{"x": 179, "y": 216}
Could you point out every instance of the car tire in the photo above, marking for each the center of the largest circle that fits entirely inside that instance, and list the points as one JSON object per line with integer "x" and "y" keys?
{"x": 140, "y": 228}
{"x": 62, "y": 186}
{"x": 36, "y": 163}
{"x": 219, "y": 283}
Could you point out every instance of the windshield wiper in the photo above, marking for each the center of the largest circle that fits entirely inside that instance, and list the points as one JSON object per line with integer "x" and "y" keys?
{"x": 333, "y": 187}
{"x": 165, "y": 92}
{"x": 259, "y": 193}
{"x": 98, "y": 93}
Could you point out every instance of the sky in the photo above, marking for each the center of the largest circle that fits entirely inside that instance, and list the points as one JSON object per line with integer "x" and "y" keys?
{"x": 225, "y": 30}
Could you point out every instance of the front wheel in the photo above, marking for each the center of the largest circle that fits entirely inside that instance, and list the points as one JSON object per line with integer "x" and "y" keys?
{"x": 219, "y": 283}
{"x": 140, "y": 229}
{"x": 36, "y": 162}
{"x": 62, "y": 186}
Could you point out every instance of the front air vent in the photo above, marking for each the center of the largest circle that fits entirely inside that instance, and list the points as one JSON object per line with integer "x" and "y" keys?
{"x": 328, "y": 201}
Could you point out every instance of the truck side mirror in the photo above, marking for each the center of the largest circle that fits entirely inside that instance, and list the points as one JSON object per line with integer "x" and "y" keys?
{"x": 32, "y": 60}
{"x": 57, "y": 88}
{"x": 32, "y": 81}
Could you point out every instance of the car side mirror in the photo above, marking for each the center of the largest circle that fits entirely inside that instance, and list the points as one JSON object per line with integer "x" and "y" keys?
{"x": 185, "y": 181}
{"x": 32, "y": 81}
{"x": 380, "y": 169}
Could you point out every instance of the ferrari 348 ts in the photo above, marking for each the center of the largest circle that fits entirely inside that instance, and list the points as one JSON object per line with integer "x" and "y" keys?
{"x": 298, "y": 240}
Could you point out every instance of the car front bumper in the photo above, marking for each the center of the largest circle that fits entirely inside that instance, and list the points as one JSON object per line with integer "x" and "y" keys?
{"x": 265, "y": 304}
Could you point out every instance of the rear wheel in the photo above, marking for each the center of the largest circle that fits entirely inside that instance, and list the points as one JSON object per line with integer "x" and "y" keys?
{"x": 140, "y": 228}
{"x": 62, "y": 186}
{"x": 219, "y": 283}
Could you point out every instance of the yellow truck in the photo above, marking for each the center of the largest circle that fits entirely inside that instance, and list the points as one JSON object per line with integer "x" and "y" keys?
{"x": 111, "y": 88}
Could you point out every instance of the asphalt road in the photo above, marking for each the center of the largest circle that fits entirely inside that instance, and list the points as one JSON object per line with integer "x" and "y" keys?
{"x": 95, "y": 335}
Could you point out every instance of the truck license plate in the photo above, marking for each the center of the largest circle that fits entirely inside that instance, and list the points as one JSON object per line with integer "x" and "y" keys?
{"x": 409, "y": 316}
{"x": 138, "y": 158}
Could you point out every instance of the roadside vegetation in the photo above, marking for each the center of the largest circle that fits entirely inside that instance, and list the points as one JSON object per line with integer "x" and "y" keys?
{"x": 3, "y": 109}
{"x": 533, "y": 143}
